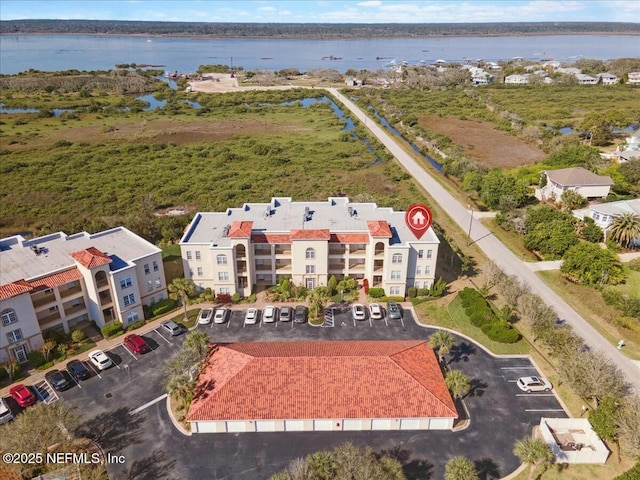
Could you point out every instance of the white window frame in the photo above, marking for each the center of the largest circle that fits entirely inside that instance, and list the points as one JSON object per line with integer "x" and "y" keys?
{"x": 155, "y": 266}
{"x": 396, "y": 258}
{"x": 418, "y": 270}
{"x": 396, "y": 274}
{"x": 132, "y": 316}
{"x": 420, "y": 253}
{"x": 149, "y": 285}
{"x": 223, "y": 276}
{"x": 158, "y": 282}
{"x": 225, "y": 290}
{"x": 126, "y": 282}
{"x": 310, "y": 269}
{"x": 14, "y": 335}
{"x": 199, "y": 271}
{"x": 9, "y": 316}
{"x": 310, "y": 254}
{"x": 429, "y": 253}
{"x": 129, "y": 299}
{"x": 147, "y": 270}
{"x": 221, "y": 259}
{"x": 198, "y": 256}
{"x": 189, "y": 256}
{"x": 394, "y": 290}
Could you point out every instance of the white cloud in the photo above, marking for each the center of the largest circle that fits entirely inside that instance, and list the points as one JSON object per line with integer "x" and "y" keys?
{"x": 372, "y": 3}
{"x": 267, "y": 9}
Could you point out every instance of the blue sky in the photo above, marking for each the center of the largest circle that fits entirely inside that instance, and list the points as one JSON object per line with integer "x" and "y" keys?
{"x": 327, "y": 11}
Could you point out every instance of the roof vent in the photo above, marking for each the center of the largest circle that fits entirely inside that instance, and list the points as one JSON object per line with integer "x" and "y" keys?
{"x": 350, "y": 211}
{"x": 225, "y": 231}
{"x": 37, "y": 250}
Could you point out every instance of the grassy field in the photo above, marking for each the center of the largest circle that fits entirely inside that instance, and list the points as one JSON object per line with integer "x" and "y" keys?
{"x": 172, "y": 262}
{"x": 563, "y": 471}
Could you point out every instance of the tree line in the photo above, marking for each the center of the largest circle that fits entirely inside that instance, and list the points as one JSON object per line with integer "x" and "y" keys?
{"x": 313, "y": 30}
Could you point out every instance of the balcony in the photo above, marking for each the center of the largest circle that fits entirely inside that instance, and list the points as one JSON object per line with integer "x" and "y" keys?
{"x": 337, "y": 250}
{"x": 46, "y": 317}
{"x": 356, "y": 267}
{"x": 262, "y": 252}
{"x": 102, "y": 282}
{"x": 263, "y": 267}
{"x": 336, "y": 267}
{"x": 40, "y": 299}
{"x": 283, "y": 250}
{"x": 241, "y": 266}
{"x": 378, "y": 266}
{"x": 357, "y": 249}
{"x": 70, "y": 289}
{"x": 105, "y": 298}
{"x": 283, "y": 267}
{"x": 71, "y": 308}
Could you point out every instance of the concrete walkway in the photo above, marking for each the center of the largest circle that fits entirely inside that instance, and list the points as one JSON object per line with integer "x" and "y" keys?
{"x": 493, "y": 248}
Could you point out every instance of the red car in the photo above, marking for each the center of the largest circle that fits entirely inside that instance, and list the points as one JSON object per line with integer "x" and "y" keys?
{"x": 22, "y": 395}
{"x": 136, "y": 344}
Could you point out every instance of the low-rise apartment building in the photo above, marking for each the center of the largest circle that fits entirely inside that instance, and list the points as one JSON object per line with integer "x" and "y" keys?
{"x": 59, "y": 281}
{"x": 259, "y": 244}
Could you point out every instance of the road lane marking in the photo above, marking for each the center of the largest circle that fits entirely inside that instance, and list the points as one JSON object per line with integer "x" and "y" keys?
{"x": 148, "y": 404}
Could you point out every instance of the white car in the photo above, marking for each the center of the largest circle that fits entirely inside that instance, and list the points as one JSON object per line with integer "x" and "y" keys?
{"x": 100, "y": 359}
{"x": 221, "y": 315}
{"x": 269, "y": 314}
{"x": 251, "y": 317}
{"x": 205, "y": 316}
{"x": 375, "y": 311}
{"x": 534, "y": 384}
{"x": 358, "y": 312}
{"x": 5, "y": 412}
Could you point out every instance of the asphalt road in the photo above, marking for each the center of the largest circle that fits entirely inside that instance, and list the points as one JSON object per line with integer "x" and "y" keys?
{"x": 125, "y": 411}
{"x": 494, "y": 249}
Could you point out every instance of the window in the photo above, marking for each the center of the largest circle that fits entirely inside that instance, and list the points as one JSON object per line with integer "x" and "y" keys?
{"x": 190, "y": 273}
{"x": 420, "y": 253}
{"x": 198, "y": 255}
{"x": 427, "y": 269}
{"x": 429, "y": 253}
{"x": 155, "y": 266}
{"x": 14, "y": 336}
{"x": 396, "y": 258}
{"x": 310, "y": 254}
{"x": 125, "y": 282}
{"x": 394, "y": 290}
{"x": 311, "y": 269}
{"x": 152, "y": 300}
{"x": 223, "y": 276}
{"x": 147, "y": 270}
{"x": 395, "y": 274}
{"x": 129, "y": 299}
{"x": 225, "y": 291}
{"x": 418, "y": 270}
{"x": 9, "y": 317}
{"x": 158, "y": 282}
{"x": 221, "y": 259}
{"x": 149, "y": 285}
{"x": 596, "y": 216}
{"x": 132, "y": 317}
{"x": 189, "y": 255}
{"x": 54, "y": 308}
{"x": 199, "y": 271}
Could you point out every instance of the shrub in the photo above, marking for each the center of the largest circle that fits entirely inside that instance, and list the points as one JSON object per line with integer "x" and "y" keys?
{"x": 3, "y": 374}
{"x": 423, "y": 292}
{"x": 162, "y": 307}
{"x": 36, "y": 358}
{"x": 223, "y": 298}
{"x": 146, "y": 310}
{"x": 46, "y": 366}
{"x": 236, "y": 297}
{"x": 480, "y": 318}
{"x": 635, "y": 264}
{"x": 78, "y": 335}
{"x": 438, "y": 288}
{"x": 56, "y": 334}
{"x": 135, "y": 325}
{"x": 112, "y": 329}
{"x": 501, "y": 332}
{"x": 376, "y": 292}
{"x": 251, "y": 298}
{"x": 392, "y": 298}
{"x": 412, "y": 292}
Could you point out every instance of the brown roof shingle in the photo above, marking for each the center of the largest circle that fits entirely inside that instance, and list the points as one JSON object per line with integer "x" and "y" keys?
{"x": 577, "y": 176}
{"x": 14, "y": 289}
{"x": 339, "y": 379}
{"x": 313, "y": 234}
{"x": 57, "y": 279}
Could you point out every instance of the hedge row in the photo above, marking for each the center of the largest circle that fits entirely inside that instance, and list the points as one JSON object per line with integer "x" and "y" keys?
{"x": 482, "y": 316}
{"x": 111, "y": 330}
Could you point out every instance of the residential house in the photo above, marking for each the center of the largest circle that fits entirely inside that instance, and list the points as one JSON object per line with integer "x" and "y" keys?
{"x": 607, "y": 78}
{"x": 586, "y": 79}
{"x": 60, "y": 281}
{"x": 517, "y": 79}
{"x": 633, "y": 78}
{"x": 580, "y": 180}
{"x": 259, "y": 244}
{"x": 604, "y": 213}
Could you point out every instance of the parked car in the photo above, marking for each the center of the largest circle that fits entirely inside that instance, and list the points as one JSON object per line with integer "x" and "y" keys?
{"x": 57, "y": 380}
{"x": 375, "y": 311}
{"x": 77, "y": 370}
{"x": 285, "y": 314}
{"x": 251, "y": 317}
{"x": 394, "y": 311}
{"x": 136, "y": 344}
{"x": 269, "y": 314}
{"x": 100, "y": 359}
{"x": 534, "y": 384}
{"x": 300, "y": 314}
{"x": 205, "y": 316}
{"x": 221, "y": 315}
{"x": 358, "y": 312}
{"x": 6, "y": 414}
{"x": 171, "y": 327}
{"x": 23, "y": 395}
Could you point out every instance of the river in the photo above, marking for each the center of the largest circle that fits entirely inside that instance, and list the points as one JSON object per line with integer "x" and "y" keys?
{"x": 84, "y": 52}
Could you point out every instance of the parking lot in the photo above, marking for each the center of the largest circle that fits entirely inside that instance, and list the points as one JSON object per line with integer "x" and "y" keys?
{"x": 125, "y": 406}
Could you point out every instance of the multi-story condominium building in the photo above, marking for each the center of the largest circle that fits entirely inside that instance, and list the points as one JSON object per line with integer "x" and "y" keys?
{"x": 58, "y": 281}
{"x": 261, "y": 243}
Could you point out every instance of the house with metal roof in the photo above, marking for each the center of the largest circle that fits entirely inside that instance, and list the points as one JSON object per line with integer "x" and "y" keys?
{"x": 321, "y": 386}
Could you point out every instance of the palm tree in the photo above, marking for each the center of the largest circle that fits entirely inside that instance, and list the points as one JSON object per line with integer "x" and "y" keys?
{"x": 460, "y": 468}
{"x": 625, "y": 229}
{"x": 321, "y": 464}
{"x": 442, "y": 341}
{"x": 181, "y": 386}
{"x": 533, "y": 452}
{"x": 180, "y": 289}
{"x": 317, "y": 299}
{"x": 458, "y": 383}
{"x": 197, "y": 341}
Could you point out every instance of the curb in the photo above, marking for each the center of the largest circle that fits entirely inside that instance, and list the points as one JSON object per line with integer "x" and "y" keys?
{"x": 175, "y": 422}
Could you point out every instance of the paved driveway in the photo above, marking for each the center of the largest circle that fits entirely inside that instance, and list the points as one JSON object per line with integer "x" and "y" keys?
{"x": 126, "y": 411}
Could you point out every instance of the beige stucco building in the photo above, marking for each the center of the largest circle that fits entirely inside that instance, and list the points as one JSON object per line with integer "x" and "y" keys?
{"x": 258, "y": 244}
{"x": 59, "y": 281}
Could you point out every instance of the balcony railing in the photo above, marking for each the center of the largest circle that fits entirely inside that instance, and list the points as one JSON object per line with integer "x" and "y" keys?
{"x": 102, "y": 283}
{"x": 66, "y": 292}
{"x": 265, "y": 267}
{"x": 105, "y": 299}
{"x": 283, "y": 251}
{"x": 241, "y": 266}
{"x": 68, "y": 310}
{"x": 356, "y": 267}
{"x": 50, "y": 317}
{"x": 336, "y": 266}
{"x": 340, "y": 250}
{"x": 40, "y": 300}
{"x": 283, "y": 267}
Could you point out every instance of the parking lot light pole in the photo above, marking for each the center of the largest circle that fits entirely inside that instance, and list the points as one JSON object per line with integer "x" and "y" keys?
{"x": 470, "y": 224}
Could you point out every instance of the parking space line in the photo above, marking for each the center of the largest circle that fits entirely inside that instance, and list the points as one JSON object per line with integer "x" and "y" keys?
{"x": 93, "y": 369}
{"x": 530, "y": 367}
{"x": 129, "y": 351}
{"x": 402, "y": 321}
{"x": 229, "y": 321}
{"x": 160, "y": 335}
{"x": 74, "y": 380}
{"x": 148, "y": 404}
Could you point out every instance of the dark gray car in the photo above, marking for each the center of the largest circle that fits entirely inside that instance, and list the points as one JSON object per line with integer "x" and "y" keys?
{"x": 394, "y": 311}
{"x": 300, "y": 314}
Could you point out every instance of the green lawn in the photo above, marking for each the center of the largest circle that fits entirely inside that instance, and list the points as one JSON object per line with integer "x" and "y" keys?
{"x": 172, "y": 262}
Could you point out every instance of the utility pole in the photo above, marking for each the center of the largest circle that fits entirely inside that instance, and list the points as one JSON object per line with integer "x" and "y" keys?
{"x": 470, "y": 224}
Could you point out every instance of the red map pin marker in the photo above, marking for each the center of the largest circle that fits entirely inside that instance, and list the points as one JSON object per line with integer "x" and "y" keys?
{"x": 418, "y": 219}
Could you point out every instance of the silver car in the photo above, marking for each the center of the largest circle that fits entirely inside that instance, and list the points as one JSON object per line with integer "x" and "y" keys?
{"x": 359, "y": 312}
{"x": 205, "y": 316}
{"x": 171, "y": 327}
{"x": 393, "y": 311}
{"x": 251, "y": 317}
{"x": 285, "y": 314}
{"x": 534, "y": 384}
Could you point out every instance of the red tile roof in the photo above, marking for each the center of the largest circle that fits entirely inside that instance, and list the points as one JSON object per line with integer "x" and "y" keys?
{"x": 57, "y": 279}
{"x": 240, "y": 230}
{"x": 313, "y": 234}
{"x": 14, "y": 289}
{"x": 379, "y": 228}
{"x": 270, "y": 238}
{"x": 349, "y": 238}
{"x": 343, "y": 379}
{"x": 90, "y": 257}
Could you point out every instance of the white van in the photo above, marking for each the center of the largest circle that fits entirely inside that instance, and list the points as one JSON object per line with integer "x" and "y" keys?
{"x": 5, "y": 413}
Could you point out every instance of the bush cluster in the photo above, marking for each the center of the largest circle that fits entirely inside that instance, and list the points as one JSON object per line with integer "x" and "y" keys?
{"x": 628, "y": 305}
{"x": 112, "y": 330}
{"x": 136, "y": 325}
{"x": 162, "y": 307}
{"x": 482, "y": 316}
{"x": 376, "y": 292}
